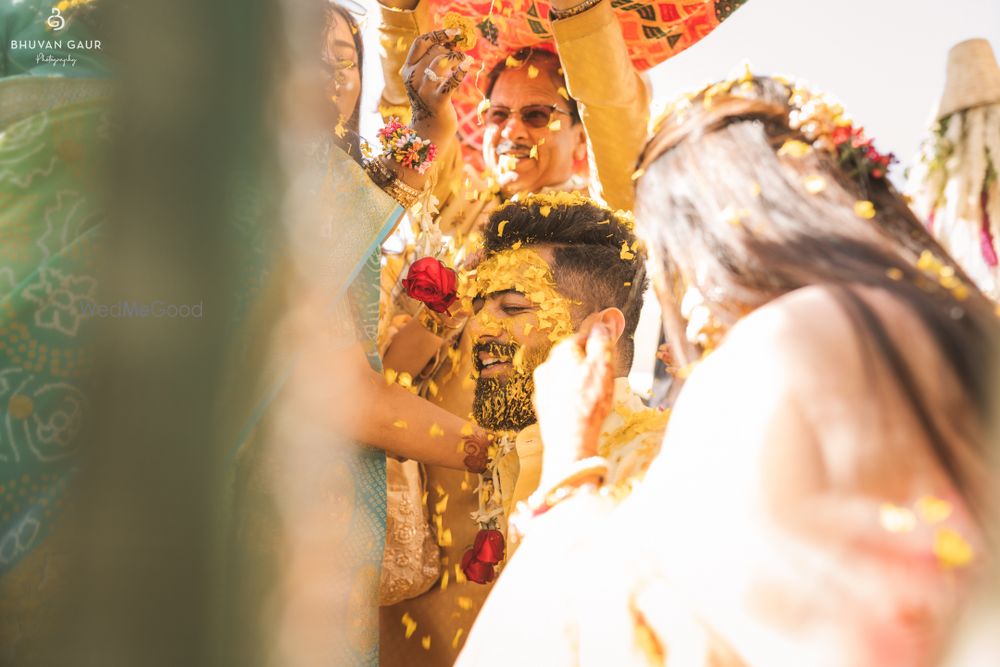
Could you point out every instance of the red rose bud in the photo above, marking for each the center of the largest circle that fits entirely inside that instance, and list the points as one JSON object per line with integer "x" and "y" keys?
{"x": 475, "y": 570}
{"x": 432, "y": 283}
{"x": 489, "y": 546}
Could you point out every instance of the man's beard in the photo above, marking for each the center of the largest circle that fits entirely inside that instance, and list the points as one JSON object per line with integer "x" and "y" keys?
{"x": 504, "y": 403}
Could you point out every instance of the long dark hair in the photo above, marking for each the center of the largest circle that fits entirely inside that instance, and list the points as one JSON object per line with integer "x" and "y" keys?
{"x": 718, "y": 205}
{"x": 351, "y": 141}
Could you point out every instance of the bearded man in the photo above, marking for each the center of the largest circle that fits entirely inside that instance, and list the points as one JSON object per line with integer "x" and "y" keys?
{"x": 554, "y": 265}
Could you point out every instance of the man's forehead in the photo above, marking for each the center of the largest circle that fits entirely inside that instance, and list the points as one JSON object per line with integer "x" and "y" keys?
{"x": 524, "y": 270}
{"x": 517, "y": 84}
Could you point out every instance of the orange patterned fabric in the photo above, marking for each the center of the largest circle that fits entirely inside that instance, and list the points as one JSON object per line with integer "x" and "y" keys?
{"x": 654, "y": 31}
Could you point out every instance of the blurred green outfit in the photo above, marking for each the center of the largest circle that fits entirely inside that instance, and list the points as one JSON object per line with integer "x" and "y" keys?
{"x": 53, "y": 123}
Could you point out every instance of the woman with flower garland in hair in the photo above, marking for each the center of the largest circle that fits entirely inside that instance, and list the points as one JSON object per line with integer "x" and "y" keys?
{"x": 823, "y": 489}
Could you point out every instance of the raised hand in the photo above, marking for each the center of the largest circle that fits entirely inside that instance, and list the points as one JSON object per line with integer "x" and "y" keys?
{"x": 434, "y": 69}
{"x": 574, "y": 390}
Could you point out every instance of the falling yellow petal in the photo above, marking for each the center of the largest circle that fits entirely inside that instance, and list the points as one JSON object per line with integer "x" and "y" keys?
{"x": 555, "y": 125}
{"x": 432, "y": 387}
{"x": 864, "y": 209}
{"x": 340, "y": 130}
{"x": 625, "y": 253}
{"x": 446, "y": 539}
{"x": 545, "y": 210}
{"x": 399, "y": 423}
{"x": 533, "y": 153}
{"x": 897, "y": 519}
{"x": 405, "y": 380}
{"x": 467, "y": 429}
{"x": 458, "y": 636}
{"x": 444, "y": 580}
{"x": 562, "y": 91}
{"x": 637, "y": 174}
{"x": 933, "y": 510}
{"x": 795, "y": 148}
{"x": 532, "y": 71}
{"x": 951, "y": 549}
{"x": 436, "y": 431}
{"x": 465, "y": 603}
{"x": 815, "y": 184}
{"x": 409, "y": 624}
{"x": 426, "y": 642}
{"x": 731, "y": 216}
{"x": 512, "y": 62}
{"x": 755, "y": 190}
{"x": 500, "y": 227}
{"x": 460, "y": 577}
{"x": 483, "y": 107}
{"x": 894, "y": 273}
{"x": 390, "y": 376}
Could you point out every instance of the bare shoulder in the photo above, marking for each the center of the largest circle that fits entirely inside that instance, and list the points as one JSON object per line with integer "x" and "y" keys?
{"x": 814, "y": 326}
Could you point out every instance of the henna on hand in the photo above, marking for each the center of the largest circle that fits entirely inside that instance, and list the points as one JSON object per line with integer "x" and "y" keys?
{"x": 476, "y": 447}
{"x": 454, "y": 81}
{"x": 420, "y": 109}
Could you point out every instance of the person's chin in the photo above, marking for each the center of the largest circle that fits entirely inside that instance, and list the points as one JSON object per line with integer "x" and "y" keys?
{"x": 515, "y": 183}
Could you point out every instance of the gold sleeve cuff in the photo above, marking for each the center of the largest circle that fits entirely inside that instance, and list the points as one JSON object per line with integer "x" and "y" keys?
{"x": 615, "y": 116}
{"x": 397, "y": 30}
{"x": 593, "y": 52}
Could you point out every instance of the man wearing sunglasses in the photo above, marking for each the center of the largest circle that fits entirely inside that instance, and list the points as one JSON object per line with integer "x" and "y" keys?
{"x": 593, "y": 69}
{"x": 533, "y": 138}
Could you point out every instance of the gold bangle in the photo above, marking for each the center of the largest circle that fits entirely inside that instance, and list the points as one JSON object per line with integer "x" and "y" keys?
{"x": 391, "y": 184}
{"x": 559, "y": 14}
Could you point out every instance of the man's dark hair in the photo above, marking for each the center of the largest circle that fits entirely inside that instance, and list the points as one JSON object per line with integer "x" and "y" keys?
{"x": 590, "y": 244}
{"x": 546, "y": 61}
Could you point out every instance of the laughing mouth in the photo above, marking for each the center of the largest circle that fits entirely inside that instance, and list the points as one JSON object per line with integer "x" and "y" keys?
{"x": 489, "y": 356}
{"x": 516, "y": 151}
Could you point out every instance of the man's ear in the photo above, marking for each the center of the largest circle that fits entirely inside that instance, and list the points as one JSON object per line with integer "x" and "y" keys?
{"x": 612, "y": 318}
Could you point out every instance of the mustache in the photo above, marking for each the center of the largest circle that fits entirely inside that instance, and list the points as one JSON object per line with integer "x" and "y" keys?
{"x": 503, "y": 351}
{"x": 508, "y": 146}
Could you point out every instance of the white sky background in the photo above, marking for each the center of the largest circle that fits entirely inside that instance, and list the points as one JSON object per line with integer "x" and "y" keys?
{"x": 884, "y": 59}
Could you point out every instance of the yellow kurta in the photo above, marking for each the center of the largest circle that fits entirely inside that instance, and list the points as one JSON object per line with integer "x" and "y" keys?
{"x": 615, "y": 117}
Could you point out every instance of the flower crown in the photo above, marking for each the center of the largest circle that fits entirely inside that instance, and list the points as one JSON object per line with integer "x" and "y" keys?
{"x": 818, "y": 116}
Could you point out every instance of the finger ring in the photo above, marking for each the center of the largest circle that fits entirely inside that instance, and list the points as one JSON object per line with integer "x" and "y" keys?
{"x": 432, "y": 75}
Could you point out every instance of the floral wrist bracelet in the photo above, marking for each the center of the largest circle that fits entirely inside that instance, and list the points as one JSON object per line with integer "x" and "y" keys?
{"x": 403, "y": 145}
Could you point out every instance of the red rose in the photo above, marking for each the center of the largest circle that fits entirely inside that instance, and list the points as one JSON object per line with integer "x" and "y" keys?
{"x": 476, "y": 570}
{"x": 489, "y": 546}
{"x": 432, "y": 283}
